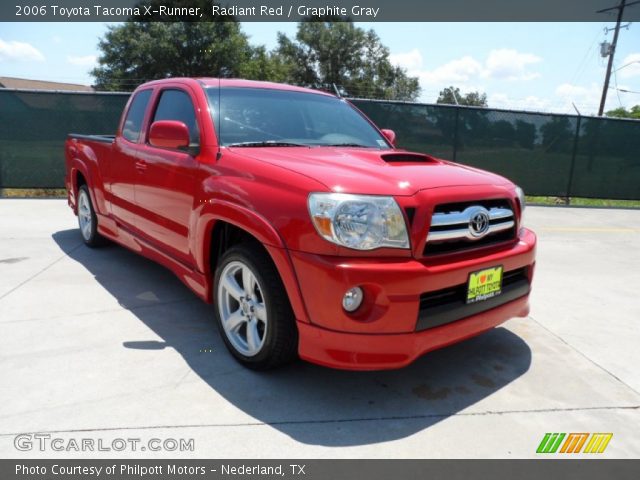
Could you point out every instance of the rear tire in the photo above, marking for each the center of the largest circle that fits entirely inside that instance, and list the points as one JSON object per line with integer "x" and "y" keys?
{"x": 252, "y": 309}
{"x": 88, "y": 220}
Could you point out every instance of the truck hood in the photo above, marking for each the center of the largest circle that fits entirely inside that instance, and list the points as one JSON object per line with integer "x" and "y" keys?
{"x": 368, "y": 171}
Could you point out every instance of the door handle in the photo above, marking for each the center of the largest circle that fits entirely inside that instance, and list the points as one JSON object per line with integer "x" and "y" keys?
{"x": 141, "y": 165}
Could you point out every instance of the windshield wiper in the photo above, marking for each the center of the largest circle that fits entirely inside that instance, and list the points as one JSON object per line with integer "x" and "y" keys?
{"x": 345, "y": 145}
{"x": 267, "y": 143}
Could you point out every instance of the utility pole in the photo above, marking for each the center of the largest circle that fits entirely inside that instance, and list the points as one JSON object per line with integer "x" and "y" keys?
{"x": 611, "y": 52}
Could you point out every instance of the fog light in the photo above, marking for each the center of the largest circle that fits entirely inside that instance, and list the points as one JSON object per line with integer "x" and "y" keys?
{"x": 352, "y": 299}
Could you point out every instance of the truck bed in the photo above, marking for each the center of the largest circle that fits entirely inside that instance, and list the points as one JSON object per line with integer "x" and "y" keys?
{"x": 94, "y": 138}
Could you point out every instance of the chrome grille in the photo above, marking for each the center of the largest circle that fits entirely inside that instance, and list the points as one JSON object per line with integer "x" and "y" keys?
{"x": 470, "y": 225}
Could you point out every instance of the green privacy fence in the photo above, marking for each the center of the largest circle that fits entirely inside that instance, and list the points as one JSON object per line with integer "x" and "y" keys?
{"x": 34, "y": 126}
{"x": 547, "y": 154}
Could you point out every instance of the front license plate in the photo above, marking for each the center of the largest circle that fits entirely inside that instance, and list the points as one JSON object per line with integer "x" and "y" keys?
{"x": 484, "y": 284}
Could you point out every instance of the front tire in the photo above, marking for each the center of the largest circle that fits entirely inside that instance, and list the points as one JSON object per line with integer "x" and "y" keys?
{"x": 252, "y": 309}
{"x": 87, "y": 219}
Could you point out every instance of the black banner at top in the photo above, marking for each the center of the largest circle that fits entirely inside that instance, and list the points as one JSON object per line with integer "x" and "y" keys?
{"x": 335, "y": 10}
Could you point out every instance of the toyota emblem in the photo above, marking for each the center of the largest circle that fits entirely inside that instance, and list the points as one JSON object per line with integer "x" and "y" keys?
{"x": 479, "y": 223}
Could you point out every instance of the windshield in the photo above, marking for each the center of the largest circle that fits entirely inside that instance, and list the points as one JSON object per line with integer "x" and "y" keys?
{"x": 267, "y": 117}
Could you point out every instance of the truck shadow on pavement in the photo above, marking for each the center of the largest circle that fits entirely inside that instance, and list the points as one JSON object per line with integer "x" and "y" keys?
{"x": 311, "y": 404}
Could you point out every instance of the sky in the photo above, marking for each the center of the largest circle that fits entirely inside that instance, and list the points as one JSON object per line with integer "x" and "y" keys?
{"x": 532, "y": 66}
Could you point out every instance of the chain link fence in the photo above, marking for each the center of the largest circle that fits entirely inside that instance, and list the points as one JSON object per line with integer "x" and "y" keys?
{"x": 547, "y": 154}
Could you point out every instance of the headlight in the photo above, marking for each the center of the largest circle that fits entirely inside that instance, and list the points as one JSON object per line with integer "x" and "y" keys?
{"x": 361, "y": 222}
{"x": 521, "y": 199}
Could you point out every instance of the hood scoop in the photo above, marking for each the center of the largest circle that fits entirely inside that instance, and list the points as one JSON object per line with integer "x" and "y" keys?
{"x": 407, "y": 158}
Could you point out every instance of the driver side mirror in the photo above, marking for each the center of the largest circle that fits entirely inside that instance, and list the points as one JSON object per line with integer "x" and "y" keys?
{"x": 389, "y": 135}
{"x": 169, "y": 134}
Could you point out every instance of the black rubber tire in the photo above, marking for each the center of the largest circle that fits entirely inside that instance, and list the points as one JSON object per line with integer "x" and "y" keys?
{"x": 281, "y": 343}
{"x": 95, "y": 239}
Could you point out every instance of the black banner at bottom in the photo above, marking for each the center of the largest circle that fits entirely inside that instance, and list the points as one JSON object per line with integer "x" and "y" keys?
{"x": 582, "y": 469}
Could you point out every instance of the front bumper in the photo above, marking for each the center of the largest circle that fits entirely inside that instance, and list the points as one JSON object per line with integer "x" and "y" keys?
{"x": 388, "y": 331}
{"x": 353, "y": 351}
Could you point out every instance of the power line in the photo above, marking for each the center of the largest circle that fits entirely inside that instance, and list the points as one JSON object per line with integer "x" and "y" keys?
{"x": 615, "y": 79}
{"x": 583, "y": 62}
{"x": 613, "y": 8}
{"x": 624, "y": 90}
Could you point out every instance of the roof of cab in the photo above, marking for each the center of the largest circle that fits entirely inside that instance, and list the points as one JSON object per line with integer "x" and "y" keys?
{"x": 239, "y": 83}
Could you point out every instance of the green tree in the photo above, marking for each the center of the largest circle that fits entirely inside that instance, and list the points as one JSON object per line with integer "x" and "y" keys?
{"x": 264, "y": 65}
{"x": 452, "y": 96}
{"x": 624, "y": 113}
{"x": 354, "y": 59}
{"x": 140, "y": 50}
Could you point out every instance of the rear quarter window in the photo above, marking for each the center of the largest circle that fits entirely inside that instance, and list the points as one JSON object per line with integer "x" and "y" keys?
{"x": 133, "y": 121}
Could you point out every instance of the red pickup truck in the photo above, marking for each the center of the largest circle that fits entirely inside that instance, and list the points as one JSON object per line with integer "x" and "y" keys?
{"x": 299, "y": 220}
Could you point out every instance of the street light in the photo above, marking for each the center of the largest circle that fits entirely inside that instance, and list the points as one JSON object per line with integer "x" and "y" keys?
{"x": 626, "y": 65}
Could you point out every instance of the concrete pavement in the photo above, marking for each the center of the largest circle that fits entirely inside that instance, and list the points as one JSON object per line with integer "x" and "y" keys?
{"x": 105, "y": 345}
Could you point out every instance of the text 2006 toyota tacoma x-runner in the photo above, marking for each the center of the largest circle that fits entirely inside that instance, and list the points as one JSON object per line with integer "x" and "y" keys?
{"x": 298, "y": 219}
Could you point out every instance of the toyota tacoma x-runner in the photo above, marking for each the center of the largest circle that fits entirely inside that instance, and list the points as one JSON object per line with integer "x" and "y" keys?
{"x": 310, "y": 233}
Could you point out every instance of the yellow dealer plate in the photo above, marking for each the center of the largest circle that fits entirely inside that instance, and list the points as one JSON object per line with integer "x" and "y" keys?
{"x": 484, "y": 284}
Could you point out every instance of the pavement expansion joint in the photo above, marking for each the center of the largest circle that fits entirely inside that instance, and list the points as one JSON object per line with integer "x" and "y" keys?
{"x": 585, "y": 356}
{"x": 329, "y": 421}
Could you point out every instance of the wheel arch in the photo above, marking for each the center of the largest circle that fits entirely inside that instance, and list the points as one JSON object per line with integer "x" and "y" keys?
{"x": 222, "y": 225}
{"x": 79, "y": 176}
